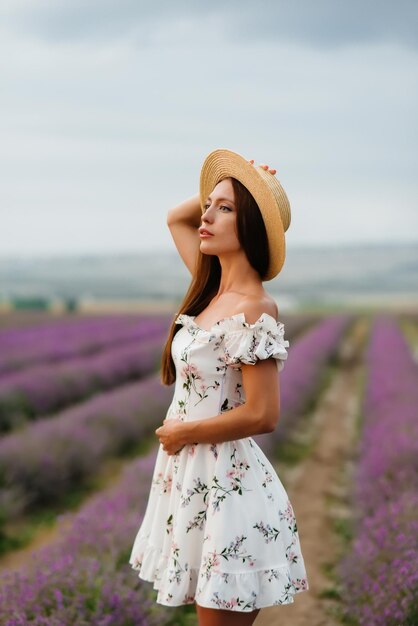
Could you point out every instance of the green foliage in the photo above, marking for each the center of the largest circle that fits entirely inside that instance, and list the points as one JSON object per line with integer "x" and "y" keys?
{"x": 332, "y": 593}
{"x": 344, "y": 528}
{"x": 292, "y": 452}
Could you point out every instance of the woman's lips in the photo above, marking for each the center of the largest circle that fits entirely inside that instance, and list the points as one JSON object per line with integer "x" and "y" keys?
{"x": 205, "y": 233}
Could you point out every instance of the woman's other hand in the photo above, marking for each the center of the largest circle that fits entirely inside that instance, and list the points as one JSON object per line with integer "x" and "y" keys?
{"x": 171, "y": 435}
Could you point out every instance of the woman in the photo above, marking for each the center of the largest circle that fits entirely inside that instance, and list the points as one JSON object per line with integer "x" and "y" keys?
{"x": 219, "y": 529}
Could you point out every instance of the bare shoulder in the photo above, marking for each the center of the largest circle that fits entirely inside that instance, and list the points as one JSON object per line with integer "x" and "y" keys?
{"x": 253, "y": 307}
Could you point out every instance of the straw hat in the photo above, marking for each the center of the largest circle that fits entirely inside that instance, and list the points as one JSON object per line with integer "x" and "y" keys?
{"x": 266, "y": 190}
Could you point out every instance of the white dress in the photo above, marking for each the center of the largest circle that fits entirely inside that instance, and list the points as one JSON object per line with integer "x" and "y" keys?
{"x": 219, "y": 528}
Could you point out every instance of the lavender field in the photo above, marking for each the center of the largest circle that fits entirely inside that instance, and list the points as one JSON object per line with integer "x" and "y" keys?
{"x": 380, "y": 572}
{"x": 99, "y": 400}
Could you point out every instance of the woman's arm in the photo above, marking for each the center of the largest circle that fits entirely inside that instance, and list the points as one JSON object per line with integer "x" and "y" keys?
{"x": 236, "y": 423}
{"x": 259, "y": 414}
{"x": 183, "y": 222}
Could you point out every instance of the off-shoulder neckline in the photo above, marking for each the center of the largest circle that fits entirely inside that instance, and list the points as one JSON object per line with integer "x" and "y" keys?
{"x": 239, "y": 316}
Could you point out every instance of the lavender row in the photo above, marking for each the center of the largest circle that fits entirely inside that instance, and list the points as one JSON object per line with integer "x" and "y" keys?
{"x": 44, "y": 461}
{"x": 51, "y": 325}
{"x": 45, "y": 388}
{"x": 23, "y": 347}
{"x": 302, "y": 375}
{"x": 380, "y": 571}
{"x": 84, "y": 578}
{"x": 26, "y": 394}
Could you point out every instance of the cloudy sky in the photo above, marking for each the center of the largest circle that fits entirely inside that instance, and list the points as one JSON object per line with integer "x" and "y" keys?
{"x": 109, "y": 107}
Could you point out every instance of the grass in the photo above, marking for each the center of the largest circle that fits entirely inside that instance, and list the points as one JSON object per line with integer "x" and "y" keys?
{"x": 330, "y": 593}
{"x": 344, "y": 529}
{"x": 292, "y": 451}
{"x": 409, "y": 328}
{"x": 184, "y": 616}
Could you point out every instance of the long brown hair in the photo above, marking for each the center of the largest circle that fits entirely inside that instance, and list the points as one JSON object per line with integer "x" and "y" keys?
{"x": 252, "y": 236}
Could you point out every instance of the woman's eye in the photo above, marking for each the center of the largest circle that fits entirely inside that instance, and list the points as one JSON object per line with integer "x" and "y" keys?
{"x": 223, "y": 206}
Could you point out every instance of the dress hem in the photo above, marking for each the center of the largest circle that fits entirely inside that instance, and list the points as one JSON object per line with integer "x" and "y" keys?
{"x": 152, "y": 568}
{"x": 210, "y": 606}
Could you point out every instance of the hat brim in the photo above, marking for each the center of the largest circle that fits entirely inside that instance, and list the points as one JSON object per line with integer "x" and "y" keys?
{"x": 221, "y": 164}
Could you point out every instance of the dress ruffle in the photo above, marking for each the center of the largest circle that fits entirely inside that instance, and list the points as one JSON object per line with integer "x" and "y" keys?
{"x": 248, "y": 343}
{"x": 261, "y": 588}
{"x": 243, "y": 342}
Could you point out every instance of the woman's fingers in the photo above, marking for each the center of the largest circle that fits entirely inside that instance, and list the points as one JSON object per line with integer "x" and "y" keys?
{"x": 264, "y": 166}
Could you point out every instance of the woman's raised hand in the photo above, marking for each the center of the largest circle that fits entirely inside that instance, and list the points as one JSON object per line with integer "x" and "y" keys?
{"x": 264, "y": 166}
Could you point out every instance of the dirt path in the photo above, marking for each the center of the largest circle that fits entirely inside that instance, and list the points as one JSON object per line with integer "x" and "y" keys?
{"x": 319, "y": 480}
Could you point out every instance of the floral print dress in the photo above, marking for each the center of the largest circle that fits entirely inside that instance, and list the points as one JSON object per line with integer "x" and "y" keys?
{"x": 219, "y": 528}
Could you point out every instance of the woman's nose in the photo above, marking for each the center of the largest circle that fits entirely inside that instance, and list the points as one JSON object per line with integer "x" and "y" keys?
{"x": 206, "y": 217}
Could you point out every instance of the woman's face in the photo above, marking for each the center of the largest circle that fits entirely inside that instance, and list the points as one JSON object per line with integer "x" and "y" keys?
{"x": 219, "y": 219}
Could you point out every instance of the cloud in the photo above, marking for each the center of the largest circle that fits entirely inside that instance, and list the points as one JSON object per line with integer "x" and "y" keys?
{"x": 108, "y": 111}
{"x": 319, "y": 23}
